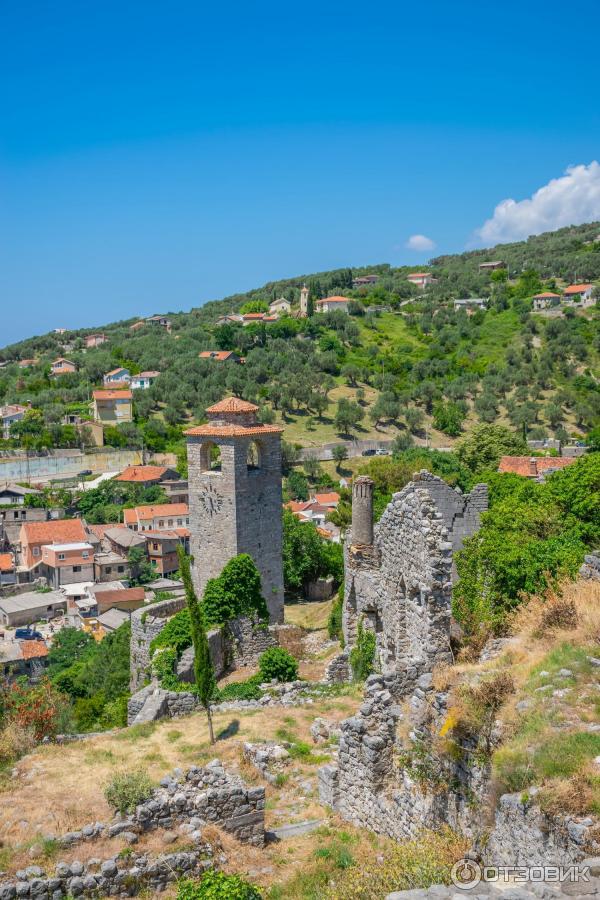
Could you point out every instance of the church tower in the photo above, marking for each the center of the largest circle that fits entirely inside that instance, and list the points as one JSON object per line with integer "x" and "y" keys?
{"x": 304, "y": 302}
{"x": 234, "y": 475}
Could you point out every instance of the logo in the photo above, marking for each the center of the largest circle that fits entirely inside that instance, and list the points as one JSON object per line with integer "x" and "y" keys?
{"x": 465, "y": 874}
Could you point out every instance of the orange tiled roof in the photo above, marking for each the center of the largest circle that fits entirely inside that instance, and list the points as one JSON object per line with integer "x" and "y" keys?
{"x": 418, "y": 274}
{"x": 216, "y": 354}
{"x": 33, "y": 649}
{"x": 232, "y": 405}
{"x": 336, "y": 299}
{"x": 545, "y": 294}
{"x": 577, "y": 288}
{"x": 141, "y": 473}
{"x": 210, "y": 430}
{"x": 99, "y": 530}
{"x": 297, "y": 506}
{"x": 331, "y": 497}
{"x": 6, "y": 562}
{"x": 115, "y": 371}
{"x": 60, "y": 531}
{"x": 532, "y": 466}
{"x": 159, "y": 509}
{"x": 113, "y": 394}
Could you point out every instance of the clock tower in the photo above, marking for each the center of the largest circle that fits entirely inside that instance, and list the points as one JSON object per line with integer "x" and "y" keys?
{"x": 234, "y": 474}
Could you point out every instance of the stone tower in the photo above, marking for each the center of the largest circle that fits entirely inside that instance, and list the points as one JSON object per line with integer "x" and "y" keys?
{"x": 304, "y": 302}
{"x": 362, "y": 510}
{"x": 234, "y": 474}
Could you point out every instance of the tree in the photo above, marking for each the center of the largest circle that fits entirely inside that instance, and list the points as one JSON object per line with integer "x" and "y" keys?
{"x": 348, "y": 416}
{"x": 339, "y": 453}
{"x": 414, "y": 419}
{"x": 140, "y": 569}
{"x": 297, "y": 486}
{"x": 68, "y": 647}
{"x": 306, "y": 556}
{"x": 481, "y": 450}
{"x": 237, "y": 591}
{"x": 204, "y": 673}
{"x": 448, "y": 417}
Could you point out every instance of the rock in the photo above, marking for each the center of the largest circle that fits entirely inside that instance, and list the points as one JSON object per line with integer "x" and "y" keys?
{"x": 130, "y": 836}
{"x": 108, "y": 869}
{"x": 565, "y": 673}
{"x": 169, "y": 837}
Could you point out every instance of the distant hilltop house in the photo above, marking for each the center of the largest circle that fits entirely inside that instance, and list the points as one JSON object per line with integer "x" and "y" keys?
{"x": 253, "y": 318}
{"x": 117, "y": 376}
{"x": 143, "y": 380}
{"x": 93, "y": 429}
{"x": 363, "y": 280}
{"x": 545, "y": 300}
{"x": 137, "y": 325}
{"x": 147, "y": 475}
{"x": 492, "y": 266}
{"x": 9, "y": 415}
{"x": 62, "y": 366}
{"x": 580, "y": 293}
{"x": 27, "y": 363}
{"x": 331, "y": 304}
{"x": 112, "y": 407}
{"x": 60, "y": 331}
{"x": 231, "y": 319}
{"x": 95, "y": 340}
{"x": 161, "y": 321}
{"x": 280, "y": 306}
{"x": 220, "y": 355}
{"x": 421, "y": 279}
{"x": 14, "y": 494}
{"x": 470, "y": 304}
{"x": 534, "y": 467}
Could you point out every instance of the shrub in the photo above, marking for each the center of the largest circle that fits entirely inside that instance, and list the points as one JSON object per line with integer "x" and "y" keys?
{"x": 241, "y": 690}
{"x": 39, "y": 708}
{"x": 163, "y": 662}
{"x": 279, "y": 664}
{"x": 362, "y": 655}
{"x": 217, "y": 886}
{"x": 334, "y": 622}
{"x": 236, "y": 592}
{"x": 15, "y": 741}
{"x": 126, "y": 789}
{"x": 177, "y": 634}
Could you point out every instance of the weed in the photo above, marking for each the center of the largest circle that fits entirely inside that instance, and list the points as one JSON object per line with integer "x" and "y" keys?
{"x": 174, "y": 735}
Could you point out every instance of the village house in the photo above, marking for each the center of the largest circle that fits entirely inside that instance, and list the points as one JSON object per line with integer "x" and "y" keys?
{"x": 14, "y": 494}
{"x": 116, "y": 596}
{"x": 580, "y": 293}
{"x": 33, "y": 536}
{"x": 220, "y": 355}
{"x": 112, "y": 407}
{"x": 157, "y": 517}
{"x": 143, "y": 380}
{"x": 314, "y": 509}
{"x": 253, "y": 318}
{"x": 281, "y": 306}
{"x": 62, "y": 366}
{"x": 9, "y": 415}
{"x": 137, "y": 325}
{"x": 27, "y": 363}
{"x": 331, "y": 304}
{"x": 421, "y": 279}
{"x": 492, "y": 266}
{"x": 535, "y": 467}
{"x": 161, "y": 547}
{"x": 67, "y": 563}
{"x": 87, "y": 428}
{"x": 117, "y": 376}
{"x": 95, "y": 340}
{"x": 161, "y": 321}
{"x": 364, "y": 280}
{"x": 545, "y": 300}
{"x": 147, "y": 475}
{"x": 7, "y": 569}
{"x": 470, "y": 304}
{"x": 23, "y": 659}
{"x": 33, "y": 606}
{"x": 231, "y": 319}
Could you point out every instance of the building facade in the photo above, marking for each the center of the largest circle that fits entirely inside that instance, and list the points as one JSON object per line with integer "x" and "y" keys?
{"x": 234, "y": 474}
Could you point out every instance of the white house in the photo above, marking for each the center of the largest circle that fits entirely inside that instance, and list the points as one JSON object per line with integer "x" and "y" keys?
{"x": 9, "y": 414}
{"x": 280, "y": 306}
{"x": 330, "y": 304}
{"x": 117, "y": 376}
{"x": 143, "y": 381}
{"x": 545, "y": 300}
{"x": 580, "y": 293}
{"x": 421, "y": 279}
{"x": 469, "y": 304}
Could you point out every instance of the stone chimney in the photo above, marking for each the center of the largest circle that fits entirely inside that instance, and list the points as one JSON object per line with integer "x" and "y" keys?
{"x": 362, "y": 510}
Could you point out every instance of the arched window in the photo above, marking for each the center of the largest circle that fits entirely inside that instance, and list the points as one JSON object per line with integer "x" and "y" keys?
{"x": 253, "y": 455}
{"x": 210, "y": 457}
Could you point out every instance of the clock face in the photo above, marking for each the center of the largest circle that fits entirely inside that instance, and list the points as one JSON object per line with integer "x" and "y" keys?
{"x": 212, "y": 500}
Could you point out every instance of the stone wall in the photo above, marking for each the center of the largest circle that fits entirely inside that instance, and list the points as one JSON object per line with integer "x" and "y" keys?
{"x": 146, "y": 624}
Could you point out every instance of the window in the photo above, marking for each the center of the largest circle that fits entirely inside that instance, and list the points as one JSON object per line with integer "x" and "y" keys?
{"x": 210, "y": 458}
{"x": 187, "y": 521}
{"x": 77, "y": 568}
{"x": 180, "y": 522}
{"x": 170, "y": 523}
{"x": 85, "y": 554}
{"x": 153, "y": 562}
{"x": 36, "y": 551}
{"x": 61, "y": 555}
{"x": 108, "y": 570}
{"x": 161, "y": 523}
{"x": 120, "y": 568}
{"x": 155, "y": 546}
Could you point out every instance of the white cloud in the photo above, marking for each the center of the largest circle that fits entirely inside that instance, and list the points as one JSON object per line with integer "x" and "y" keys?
{"x": 572, "y": 199}
{"x": 420, "y": 242}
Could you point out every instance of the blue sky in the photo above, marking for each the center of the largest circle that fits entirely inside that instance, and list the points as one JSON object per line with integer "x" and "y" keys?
{"x": 154, "y": 155}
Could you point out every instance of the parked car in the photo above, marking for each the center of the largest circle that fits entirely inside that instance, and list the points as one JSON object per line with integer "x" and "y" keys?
{"x": 369, "y": 452}
{"x": 28, "y": 634}
{"x": 382, "y": 452}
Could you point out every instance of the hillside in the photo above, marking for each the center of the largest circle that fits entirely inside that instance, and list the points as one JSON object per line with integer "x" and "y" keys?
{"x": 404, "y": 364}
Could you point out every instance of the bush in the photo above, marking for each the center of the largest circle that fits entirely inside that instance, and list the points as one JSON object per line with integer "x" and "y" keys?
{"x": 279, "y": 664}
{"x": 217, "y": 886}
{"x": 177, "y": 634}
{"x": 241, "y": 690}
{"x": 236, "y": 592}
{"x": 164, "y": 662}
{"x": 126, "y": 789}
{"x": 334, "y": 622}
{"x": 15, "y": 741}
{"x": 362, "y": 656}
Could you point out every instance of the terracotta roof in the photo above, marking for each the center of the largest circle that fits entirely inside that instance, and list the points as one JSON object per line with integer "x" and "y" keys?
{"x": 107, "y": 599}
{"x": 419, "y": 274}
{"x": 210, "y": 430}
{"x": 99, "y": 530}
{"x": 216, "y": 354}
{"x": 113, "y": 394}
{"x": 232, "y": 405}
{"x": 331, "y": 497}
{"x": 297, "y": 506}
{"x": 59, "y": 531}
{"x": 253, "y": 315}
{"x": 532, "y": 466}
{"x": 578, "y": 288}
{"x": 151, "y": 374}
{"x": 336, "y": 299}
{"x": 324, "y": 533}
{"x": 6, "y": 562}
{"x": 545, "y": 294}
{"x": 167, "y": 533}
{"x": 160, "y": 509}
{"x": 33, "y": 649}
{"x": 141, "y": 473}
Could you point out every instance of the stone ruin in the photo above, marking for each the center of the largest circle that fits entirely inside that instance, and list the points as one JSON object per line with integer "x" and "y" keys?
{"x": 398, "y": 581}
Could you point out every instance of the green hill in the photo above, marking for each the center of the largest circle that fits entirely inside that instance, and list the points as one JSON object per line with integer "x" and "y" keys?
{"x": 404, "y": 364}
